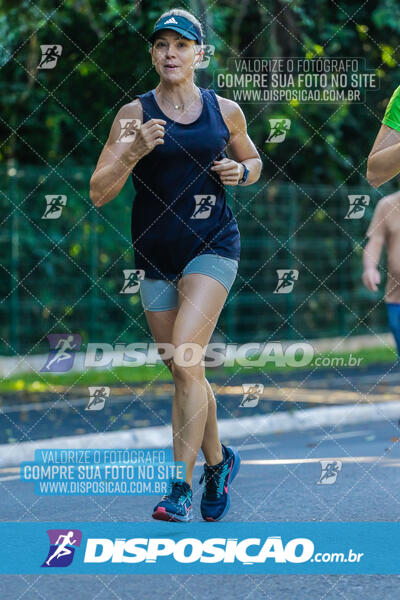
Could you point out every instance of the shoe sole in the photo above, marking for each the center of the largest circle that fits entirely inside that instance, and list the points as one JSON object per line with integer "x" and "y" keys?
{"x": 163, "y": 515}
{"x": 234, "y": 472}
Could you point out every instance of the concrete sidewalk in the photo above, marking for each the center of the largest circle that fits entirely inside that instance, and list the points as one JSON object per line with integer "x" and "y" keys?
{"x": 237, "y": 428}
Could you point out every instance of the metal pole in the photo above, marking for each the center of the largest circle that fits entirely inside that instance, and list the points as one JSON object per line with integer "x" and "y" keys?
{"x": 12, "y": 170}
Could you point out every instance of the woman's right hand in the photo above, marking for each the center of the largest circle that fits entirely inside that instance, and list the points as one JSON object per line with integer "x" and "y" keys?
{"x": 149, "y": 135}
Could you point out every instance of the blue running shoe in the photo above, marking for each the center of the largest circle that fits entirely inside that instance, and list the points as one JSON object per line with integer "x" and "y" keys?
{"x": 215, "y": 500}
{"x": 176, "y": 505}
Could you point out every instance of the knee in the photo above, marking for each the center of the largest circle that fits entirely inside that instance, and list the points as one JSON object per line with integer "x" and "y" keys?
{"x": 186, "y": 376}
{"x": 186, "y": 363}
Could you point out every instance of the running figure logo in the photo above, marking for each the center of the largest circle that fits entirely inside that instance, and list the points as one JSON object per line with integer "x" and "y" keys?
{"x": 208, "y": 53}
{"x": 132, "y": 277}
{"x": 54, "y": 206}
{"x": 62, "y": 547}
{"x": 97, "y": 397}
{"x": 62, "y": 352}
{"x": 357, "y": 206}
{"x": 204, "y": 204}
{"x": 50, "y": 54}
{"x": 329, "y": 471}
{"x": 129, "y": 128}
{"x": 279, "y": 129}
{"x": 252, "y": 393}
{"x": 286, "y": 279}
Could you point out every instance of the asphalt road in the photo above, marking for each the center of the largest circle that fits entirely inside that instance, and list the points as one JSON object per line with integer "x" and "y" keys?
{"x": 277, "y": 482}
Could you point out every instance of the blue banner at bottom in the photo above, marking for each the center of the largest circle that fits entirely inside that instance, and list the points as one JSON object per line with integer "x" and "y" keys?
{"x": 214, "y": 548}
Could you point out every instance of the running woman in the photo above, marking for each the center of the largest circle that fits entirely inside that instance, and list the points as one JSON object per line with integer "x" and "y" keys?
{"x": 185, "y": 237}
{"x": 384, "y": 229}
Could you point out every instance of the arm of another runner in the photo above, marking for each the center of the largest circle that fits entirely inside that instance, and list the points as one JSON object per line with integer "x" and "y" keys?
{"x": 373, "y": 249}
{"x": 384, "y": 158}
{"x": 240, "y": 147}
{"x": 118, "y": 158}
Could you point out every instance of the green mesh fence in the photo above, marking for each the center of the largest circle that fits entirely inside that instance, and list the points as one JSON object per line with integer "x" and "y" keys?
{"x": 65, "y": 274}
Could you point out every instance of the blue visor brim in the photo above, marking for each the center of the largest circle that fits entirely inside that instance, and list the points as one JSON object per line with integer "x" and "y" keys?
{"x": 188, "y": 35}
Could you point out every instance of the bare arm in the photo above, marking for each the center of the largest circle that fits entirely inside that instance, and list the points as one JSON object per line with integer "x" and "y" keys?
{"x": 384, "y": 158}
{"x": 240, "y": 146}
{"x": 376, "y": 233}
{"x": 371, "y": 256}
{"x": 118, "y": 158}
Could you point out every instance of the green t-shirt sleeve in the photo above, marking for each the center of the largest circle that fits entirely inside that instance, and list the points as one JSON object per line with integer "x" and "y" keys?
{"x": 391, "y": 117}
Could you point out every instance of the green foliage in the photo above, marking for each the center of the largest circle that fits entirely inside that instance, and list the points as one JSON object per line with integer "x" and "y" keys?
{"x": 65, "y": 275}
{"x": 58, "y": 120}
{"x": 105, "y": 62}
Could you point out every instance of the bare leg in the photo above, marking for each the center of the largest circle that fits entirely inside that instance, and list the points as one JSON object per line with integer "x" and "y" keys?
{"x": 211, "y": 445}
{"x": 161, "y": 324}
{"x": 201, "y": 299}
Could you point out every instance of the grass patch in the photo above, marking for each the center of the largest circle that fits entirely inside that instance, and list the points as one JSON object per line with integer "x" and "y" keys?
{"x": 117, "y": 377}
{"x": 47, "y": 382}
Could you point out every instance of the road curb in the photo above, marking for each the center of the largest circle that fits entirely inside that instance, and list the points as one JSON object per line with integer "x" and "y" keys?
{"x": 244, "y": 427}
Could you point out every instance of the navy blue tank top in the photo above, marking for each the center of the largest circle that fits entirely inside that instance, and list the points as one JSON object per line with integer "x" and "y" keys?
{"x": 180, "y": 209}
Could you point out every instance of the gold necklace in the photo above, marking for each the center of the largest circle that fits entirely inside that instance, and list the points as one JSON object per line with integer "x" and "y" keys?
{"x": 176, "y": 106}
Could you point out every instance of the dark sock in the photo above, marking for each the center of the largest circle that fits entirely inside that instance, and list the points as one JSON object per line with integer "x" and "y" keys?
{"x": 184, "y": 484}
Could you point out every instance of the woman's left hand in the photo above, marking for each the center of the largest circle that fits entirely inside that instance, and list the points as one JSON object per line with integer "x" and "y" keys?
{"x": 228, "y": 170}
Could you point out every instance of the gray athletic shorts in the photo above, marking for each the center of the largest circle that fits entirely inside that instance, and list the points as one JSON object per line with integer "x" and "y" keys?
{"x": 158, "y": 294}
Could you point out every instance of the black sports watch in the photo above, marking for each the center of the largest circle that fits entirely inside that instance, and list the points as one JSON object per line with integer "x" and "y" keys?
{"x": 245, "y": 174}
